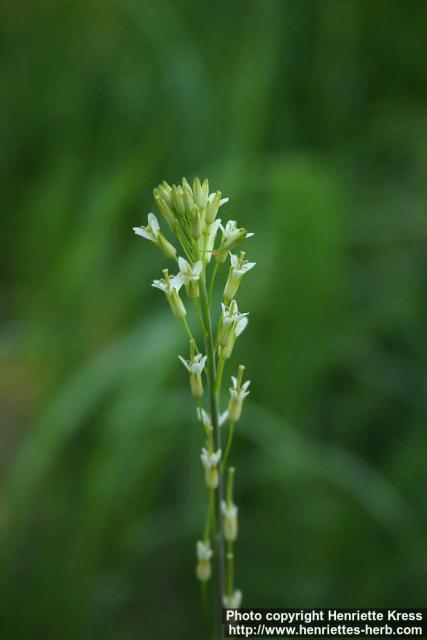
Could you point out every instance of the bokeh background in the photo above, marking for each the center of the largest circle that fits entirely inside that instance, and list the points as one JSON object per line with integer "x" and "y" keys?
{"x": 311, "y": 116}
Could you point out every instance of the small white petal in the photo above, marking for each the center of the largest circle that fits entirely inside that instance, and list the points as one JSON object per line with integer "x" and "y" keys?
{"x": 159, "y": 285}
{"x": 241, "y": 326}
{"x": 223, "y": 418}
{"x": 233, "y": 259}
{"x": 153, "y": 223}
{"x": 197, "y": 268}
{"x": 176, "y": 282}
{"x": 185, "y": 363}
{"x": 140, "y": 231}
{"x": 204, "y": 417}
{"x": 183, "y": 264}
{"x": 248, "y": 266}
{"x": 215, "y": 458}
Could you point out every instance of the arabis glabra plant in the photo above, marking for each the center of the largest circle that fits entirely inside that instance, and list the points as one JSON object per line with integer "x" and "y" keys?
{"x": 201, "y": 245}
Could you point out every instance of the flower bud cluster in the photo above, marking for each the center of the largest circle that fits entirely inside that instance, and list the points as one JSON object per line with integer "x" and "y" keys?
{"x": 191, "y": 213}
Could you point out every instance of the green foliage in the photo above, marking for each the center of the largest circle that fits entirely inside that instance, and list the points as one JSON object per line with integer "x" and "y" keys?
{"x": 311, "y": 116}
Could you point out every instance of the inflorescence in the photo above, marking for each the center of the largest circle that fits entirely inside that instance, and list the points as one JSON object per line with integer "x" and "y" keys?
{"x": 204, "y": 245}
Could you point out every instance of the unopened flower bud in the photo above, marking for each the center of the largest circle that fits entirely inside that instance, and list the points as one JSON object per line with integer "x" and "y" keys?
{"x": 207, "y": 240}
{"x": 201, "y": 193}
{"x": 178, "y": 200}
{"x": 167, "y": 248}
{"x": 229, "y": 512}
{"x": 165, "y": 191}
{"x": 188, "y": 195}
{"x": 196, "y": 224}
{"x": 164, "y": 208}
{"x": 214, "y": 203}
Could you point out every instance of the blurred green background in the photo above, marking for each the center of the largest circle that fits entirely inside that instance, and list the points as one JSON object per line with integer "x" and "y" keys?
{"x": 311, "y": 115}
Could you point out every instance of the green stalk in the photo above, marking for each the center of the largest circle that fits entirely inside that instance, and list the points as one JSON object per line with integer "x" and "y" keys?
{"x": 214, "y": 408}
{"x": 229, "y": 442}
{"x": 230, "y": 569}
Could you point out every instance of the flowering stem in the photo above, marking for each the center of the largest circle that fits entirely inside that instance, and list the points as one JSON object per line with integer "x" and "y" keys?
{"x": 203, "y": 587}
{"x": 215, "y": 269}
{"x": 184, "y": 242}
{"x": 190, "y": 213}
{"x": 188, "y": 332}
{"x": 210, "y": 518}
{"x": 221, "y": 362}
{"x": 230, "y": 569}
{"x": 202, "y": 324}
{"x": 213, "y": 394}
{"x": 229, "y": 442}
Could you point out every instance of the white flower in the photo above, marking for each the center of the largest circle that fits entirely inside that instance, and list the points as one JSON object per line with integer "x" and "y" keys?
{"x": 204, "y": 551}
{"x": 238, "y": 392}
{"x": 210, "y": 462}
{"x": 239, "y": 266}
{"x": 229, "y": 321}
{"x": 204, "y": 555}
{"x": 189, "y": 272}
{"x": 229, "y": 511}
{"x": 195, "y": 367}
{"x": 168, "y": 284}
{"x": 204, "y": 418}
{"x": 242, "y": 391}
{"x": 241, "y": 325}
{"x": 190, "y": 276}
{"x": 234, "y": 601}
{"x": 231, "y": 235}
{"x": 171, "y": 285}
{"x": 152, "y": 232}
